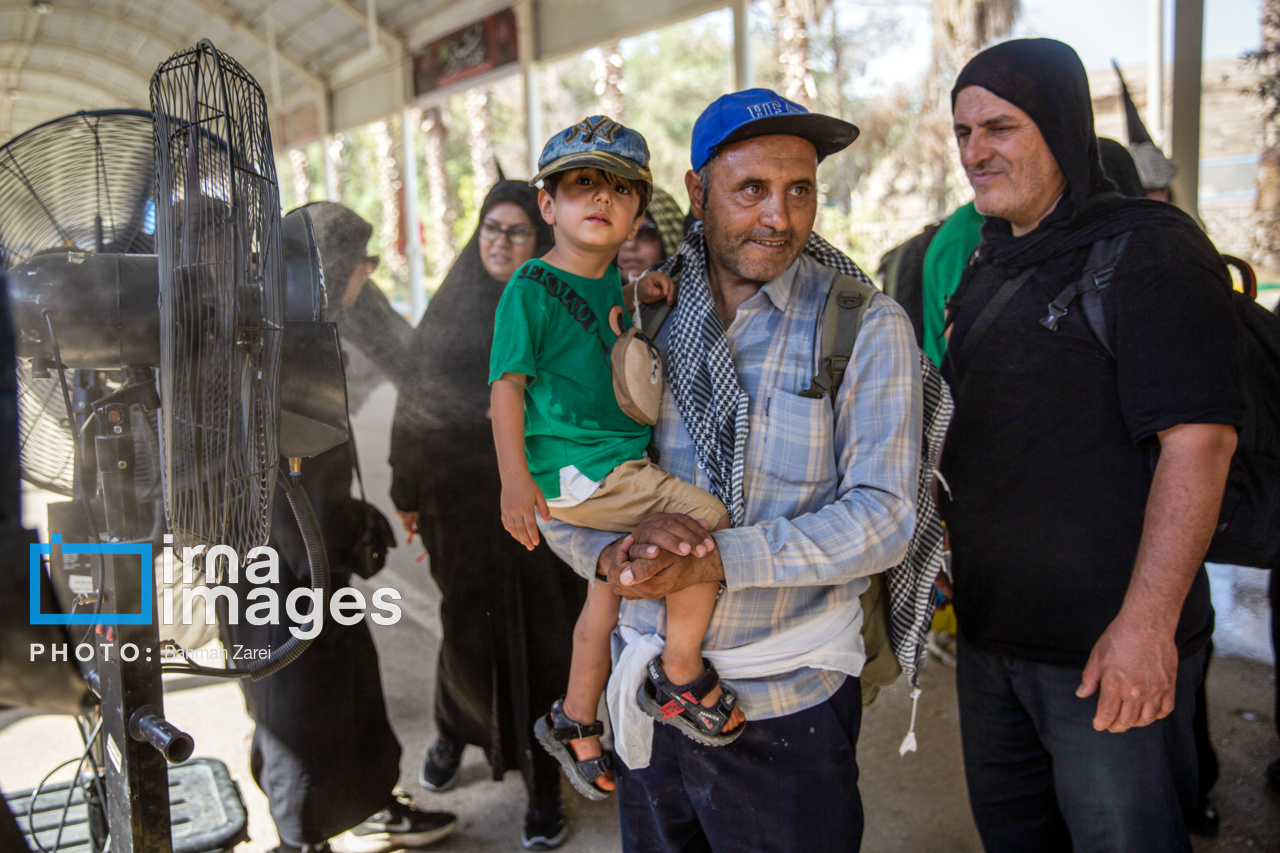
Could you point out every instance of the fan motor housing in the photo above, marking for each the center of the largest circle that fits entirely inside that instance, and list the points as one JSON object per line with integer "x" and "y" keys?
{"x": 104, "y": 309}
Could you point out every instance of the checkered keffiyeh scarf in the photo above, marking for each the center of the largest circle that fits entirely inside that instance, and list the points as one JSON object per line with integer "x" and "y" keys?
{"x": 712, "y": 404}
{"x": 713, "y": 407}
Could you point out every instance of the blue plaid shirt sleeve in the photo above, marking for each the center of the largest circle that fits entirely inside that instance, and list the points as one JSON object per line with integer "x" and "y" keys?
{"x": 580, "y": 547}
{"x": 868, "y": 526}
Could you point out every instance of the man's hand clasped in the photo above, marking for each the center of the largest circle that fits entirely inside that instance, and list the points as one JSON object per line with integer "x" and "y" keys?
{"x": 665, "y": 554}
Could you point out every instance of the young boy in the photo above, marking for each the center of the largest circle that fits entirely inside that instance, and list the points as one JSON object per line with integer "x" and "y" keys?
{"x": 566, "y": 450}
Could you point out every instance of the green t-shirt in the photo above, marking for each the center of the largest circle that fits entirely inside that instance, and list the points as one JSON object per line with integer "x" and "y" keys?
{"x": 944, "y": 263}
{"x": 571, "y": 417}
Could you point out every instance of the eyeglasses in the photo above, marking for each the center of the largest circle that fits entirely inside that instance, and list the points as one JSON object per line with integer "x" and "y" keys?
{"x": 648, "y": 233}
{"x": 518, "y": 235}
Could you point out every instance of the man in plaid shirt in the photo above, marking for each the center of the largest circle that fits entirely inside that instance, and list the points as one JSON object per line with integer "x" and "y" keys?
{"x": 824, "y": 494}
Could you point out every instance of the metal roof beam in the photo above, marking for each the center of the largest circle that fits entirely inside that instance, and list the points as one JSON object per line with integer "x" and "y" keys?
{"x": 84, "y": 14}
{"x": 117, "y": 99}
{"x": 115, "y": 63}
{"x": 390, "y": 39}
{"x": 244, "y": 28}
{"x": 64, "y": 105}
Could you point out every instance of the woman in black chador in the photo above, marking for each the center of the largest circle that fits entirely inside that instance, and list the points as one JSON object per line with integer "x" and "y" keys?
{"x": 323, "y": 750}
{"x": 508, "y": 613}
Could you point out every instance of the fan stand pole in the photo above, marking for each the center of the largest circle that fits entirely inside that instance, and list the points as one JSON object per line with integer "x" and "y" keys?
{"x": 131, "y": 690}
{"x": 136, "y": 773}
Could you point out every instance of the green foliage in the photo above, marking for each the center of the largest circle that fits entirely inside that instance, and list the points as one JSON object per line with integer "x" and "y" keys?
{"x": 1267, "y": 60}
{"x": 671, "y": 75}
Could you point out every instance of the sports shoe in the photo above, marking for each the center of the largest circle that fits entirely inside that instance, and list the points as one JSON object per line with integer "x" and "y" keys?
{"x": 442, "y": 766}
{"x": 545, "y": 827}
{"x": 395, "y": 826}
{"x": 1272, "y": 775}
{"x": 1204, "y": 818}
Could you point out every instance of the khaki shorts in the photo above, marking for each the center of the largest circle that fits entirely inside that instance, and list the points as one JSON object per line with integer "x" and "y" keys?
{"x": 634, "y": 491}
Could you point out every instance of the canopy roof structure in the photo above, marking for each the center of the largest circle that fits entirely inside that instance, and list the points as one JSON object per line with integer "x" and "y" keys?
{"x": 328, "y": 66}
{"x": 331, "y": 64}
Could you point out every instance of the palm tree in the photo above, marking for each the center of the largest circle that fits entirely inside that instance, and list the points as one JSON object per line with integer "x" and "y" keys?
{"x": 961, "y": 28}
{"x": 441, "y": 203}
{"x": 480, "y": 142}
{"x": 389, "y": 186}
{"x": 301, "y": 180}
{"x": 1267, "y": 60}
{"x": 334, "y": 154}
{"x": 793, "y": 20}
{"x": 610, "y": 87}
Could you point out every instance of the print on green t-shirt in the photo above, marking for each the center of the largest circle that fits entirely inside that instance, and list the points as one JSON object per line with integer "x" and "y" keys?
{"x": 553, "y": 327}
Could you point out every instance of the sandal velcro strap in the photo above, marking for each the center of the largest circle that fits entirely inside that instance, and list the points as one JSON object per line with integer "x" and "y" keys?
{"x": 594, "y": 768}
{"x": 695, "y": 691}
{"x": 685, "y": 700}
{"x": 565, "y": 729}
{"x": 554, "y": 731}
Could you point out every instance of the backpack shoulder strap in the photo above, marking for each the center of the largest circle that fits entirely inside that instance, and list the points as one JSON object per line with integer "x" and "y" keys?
{"x": 652, "y": 316}
{"x": 1098, "y": 271}
{"x": 847, "y": 303}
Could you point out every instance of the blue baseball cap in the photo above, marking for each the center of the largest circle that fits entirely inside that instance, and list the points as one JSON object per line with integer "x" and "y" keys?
{"x": 596, "y": 141}
{"x": 763, "y": 112}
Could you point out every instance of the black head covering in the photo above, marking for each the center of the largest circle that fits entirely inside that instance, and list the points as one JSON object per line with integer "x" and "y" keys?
{"x": 370, "y": 324}
{"x": 449, "y": 384}
{"x": 1119, "y": 167}
{"x": 1046, "y": 80}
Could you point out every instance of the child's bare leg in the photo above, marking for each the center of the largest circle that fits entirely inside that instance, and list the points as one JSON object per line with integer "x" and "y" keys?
{"x": 688, "y": 617}
{"x": 589, "y": 670}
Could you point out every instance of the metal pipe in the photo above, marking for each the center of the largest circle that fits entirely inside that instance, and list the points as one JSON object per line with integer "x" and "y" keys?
{"x": 409, "y": 120}
{"x": 273, "y": 61}
{"x": 1188, "y": 50}
{"x": 741, "y": 45}
{"x": 1155, "y": 71}
{"x": 371, "y": 21}
{"x": 527, "y": 49}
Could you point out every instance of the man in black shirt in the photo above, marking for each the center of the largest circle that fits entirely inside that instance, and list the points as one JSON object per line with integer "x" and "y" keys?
{"x": 1085, "y": 470}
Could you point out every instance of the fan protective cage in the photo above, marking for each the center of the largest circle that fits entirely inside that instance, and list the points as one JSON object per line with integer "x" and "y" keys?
{"x": 82, "y": 182}
{"x": 221, "y": 299}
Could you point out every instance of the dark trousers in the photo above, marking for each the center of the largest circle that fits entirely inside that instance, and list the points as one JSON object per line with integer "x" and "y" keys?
{"x": 1273, "y": 591}
{"x": 1040, "y": 778}
{"x": 789, "y": 783}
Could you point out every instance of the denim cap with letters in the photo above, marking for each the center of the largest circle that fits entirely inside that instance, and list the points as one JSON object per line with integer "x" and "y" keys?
{"x": 763, "y": 112}
{"x": 600, "y": 142}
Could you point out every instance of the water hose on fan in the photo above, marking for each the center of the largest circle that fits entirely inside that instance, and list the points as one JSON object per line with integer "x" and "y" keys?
{"x": 318, "y": 558}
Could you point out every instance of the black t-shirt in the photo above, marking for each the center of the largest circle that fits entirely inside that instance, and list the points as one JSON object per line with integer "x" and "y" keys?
{"x": 1053, "y": 443}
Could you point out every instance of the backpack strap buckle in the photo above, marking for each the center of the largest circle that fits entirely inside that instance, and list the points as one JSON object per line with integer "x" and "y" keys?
{"x": 1057, "y": 310}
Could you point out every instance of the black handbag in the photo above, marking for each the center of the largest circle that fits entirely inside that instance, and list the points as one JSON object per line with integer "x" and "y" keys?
{"x": 374, "y": 534}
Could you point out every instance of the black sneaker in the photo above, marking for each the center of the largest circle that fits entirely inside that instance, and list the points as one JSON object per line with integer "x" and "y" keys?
{"x": 442, "y": 766}
{"x": 1204, "y": 819}
{"x": 545, "y": 827}
{"x": 396, "y": 826}
{"x": 319, "y": 847}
